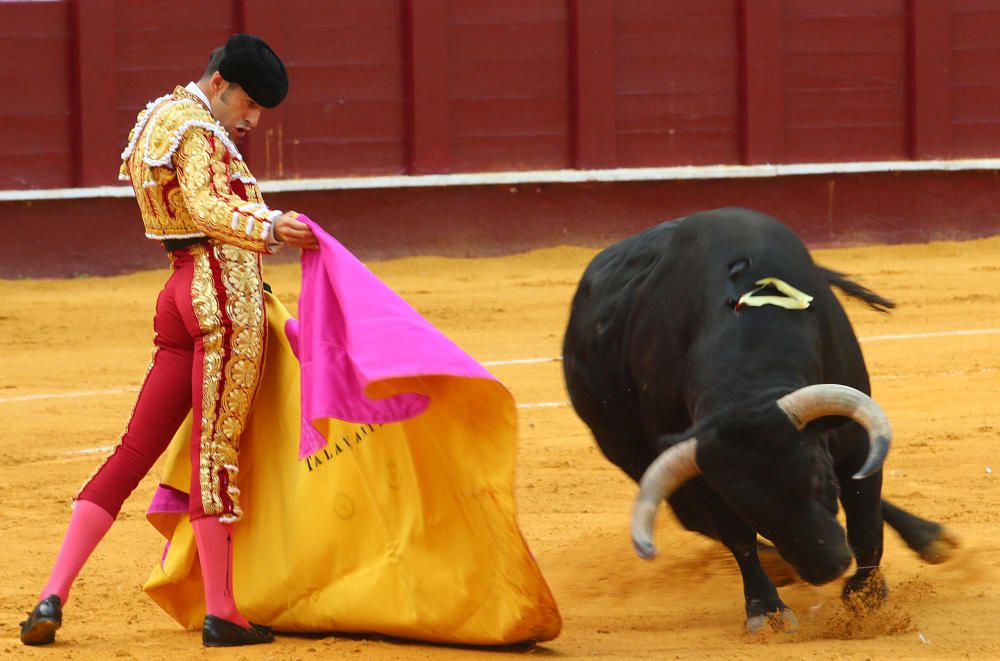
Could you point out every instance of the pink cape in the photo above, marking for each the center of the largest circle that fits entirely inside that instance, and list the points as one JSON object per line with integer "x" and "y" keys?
{"x": 353, "y": 331}
{"x": 376, "y": 479}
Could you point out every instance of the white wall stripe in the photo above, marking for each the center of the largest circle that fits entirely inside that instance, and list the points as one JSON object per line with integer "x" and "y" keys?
{"x": 520, "y": 361}
{"x": 543, "y": 405}
{"x": 916, "y": 336}
{"x": 107, "y": 448}
{"x": 60, "y": 395}
{"x": 678, "y": 173}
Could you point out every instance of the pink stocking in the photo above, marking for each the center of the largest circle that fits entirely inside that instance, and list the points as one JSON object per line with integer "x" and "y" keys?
{"x": 215, "y": 551}
{"x": 87, "y": 526}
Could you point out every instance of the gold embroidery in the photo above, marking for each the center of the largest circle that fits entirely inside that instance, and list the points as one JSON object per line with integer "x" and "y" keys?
{"x": 208, "y": 198}
{"x": 205, "y": 303}
{"x": 173, "y": 136}
{"x": 121, "y": 438}
{"x": 245, "y": 309}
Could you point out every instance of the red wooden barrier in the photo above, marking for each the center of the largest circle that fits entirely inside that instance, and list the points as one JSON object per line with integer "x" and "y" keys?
{"x": 426, "y": 87}
{"x": 430, "y": 86}
{"x": 36, "y": 123}
{"x": 592, "y": 47}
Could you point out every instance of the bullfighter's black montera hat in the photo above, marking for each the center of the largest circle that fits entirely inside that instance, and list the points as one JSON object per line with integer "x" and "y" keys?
{"x": 250, "y": 63}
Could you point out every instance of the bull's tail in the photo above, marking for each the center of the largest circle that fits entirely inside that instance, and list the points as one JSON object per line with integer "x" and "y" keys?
{"x": 854, "y": 290}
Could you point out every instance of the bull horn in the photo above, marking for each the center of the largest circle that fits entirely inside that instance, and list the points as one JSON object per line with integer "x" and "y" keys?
{"x": 666, "y": 474}
{"x": 826, "y": 399}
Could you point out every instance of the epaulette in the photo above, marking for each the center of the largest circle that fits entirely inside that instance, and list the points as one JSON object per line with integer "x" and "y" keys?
{"x": 161, "y": 126}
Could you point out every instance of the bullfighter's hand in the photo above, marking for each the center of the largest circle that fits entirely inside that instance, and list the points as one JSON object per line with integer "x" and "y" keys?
{"x": 291, "y": 231}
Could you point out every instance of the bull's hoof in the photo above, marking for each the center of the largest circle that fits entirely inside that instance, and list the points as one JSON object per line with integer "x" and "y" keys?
{"x": 783, "y": 620}
{"x": 865, "y": 592}
{"x": 940, "y": 549}
{"x": 777, "y": 568}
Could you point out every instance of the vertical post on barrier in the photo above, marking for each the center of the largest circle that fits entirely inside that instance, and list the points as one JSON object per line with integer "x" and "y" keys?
{"x": 592, "y": 83}
{"x": 92, "y": 72}
{"x": 929, "y": 59}
{"x": 425, "y": 53}
{"x": 264, "y": 19}
{"x": 762, "y": 85}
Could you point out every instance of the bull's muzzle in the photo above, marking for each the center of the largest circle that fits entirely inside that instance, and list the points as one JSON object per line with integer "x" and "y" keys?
{"x": 677, "y": 464}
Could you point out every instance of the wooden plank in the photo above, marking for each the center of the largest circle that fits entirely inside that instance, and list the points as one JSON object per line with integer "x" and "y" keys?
{"x": 34, "y": 170}
{"x": 97, "y": 141}
{"x": 975, "y": 68}
{"x": 512, "y": 80}
{"x": 976, "y": 140}
{"x": 683, "y": 36}
{"x": 33, "y": 133}
{"x": 266, "y": 20}
{"x": 355, "y": 158}
{"x": 639, "y": 150}
{"x": 41, "y": 20}
{"x": 344, "y": 44}
{"x": 509, "y": 11}
{"x": 677, "y": 113}
{"x": 688, "y": 74}
{"x": 825, "y": 107}
{"x": 45, "y": 54}
{"x": 510, "y": 42}
{"x": 855, "y": 71}
{"x": 762, "y": 81}
{"x": 646, "y": 10}
{"x": 930, "y": 78}
{"x": 976, "y": 105}
{"x": 499, "y": 117}
{"x": 353, "y": 119}
{"x": 846, "y": 34}
{"x": 844, "y": 143}
{"x": 343, "y": 13}
{"x": 851, "y": 8}
{"x": 427, "y": 89}
{"x": 592, "y": 71}
{"x": 498, "y": 153}
{"x": 975, "y": 31}
{"x": 51, "y": 91}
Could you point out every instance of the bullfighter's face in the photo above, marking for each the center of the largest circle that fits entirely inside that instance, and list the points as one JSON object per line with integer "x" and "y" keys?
{"x": 233, "y": 107}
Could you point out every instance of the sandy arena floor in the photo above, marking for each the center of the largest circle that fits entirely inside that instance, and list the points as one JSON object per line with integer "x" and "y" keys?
{"x": 941, "y": 390}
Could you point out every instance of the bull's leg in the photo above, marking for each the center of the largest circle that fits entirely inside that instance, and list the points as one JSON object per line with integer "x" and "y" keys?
{"x": 932, "y": 542}
{"x": 763, "y": 605}
{"x": 701, "y": 509}
{"x": 863, "y": 508}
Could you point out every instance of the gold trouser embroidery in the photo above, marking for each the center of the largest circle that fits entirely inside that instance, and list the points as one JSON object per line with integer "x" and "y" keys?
{"x": 205, "y": 303}
{"x": 245, "y": 309}
{"x": 121, "y": 438}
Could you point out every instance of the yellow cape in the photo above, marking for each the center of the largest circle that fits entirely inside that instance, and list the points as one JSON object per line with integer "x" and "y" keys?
{"x": 404, "y": 529}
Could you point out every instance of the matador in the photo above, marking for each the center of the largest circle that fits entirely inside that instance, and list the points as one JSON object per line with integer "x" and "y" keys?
{"x": 197, "y": 196}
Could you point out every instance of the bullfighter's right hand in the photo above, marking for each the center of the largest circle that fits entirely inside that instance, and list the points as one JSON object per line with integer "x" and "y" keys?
{"x": 288, "y": 229}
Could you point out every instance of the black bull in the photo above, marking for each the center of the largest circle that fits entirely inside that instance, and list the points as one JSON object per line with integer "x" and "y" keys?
{"x": 674, "y": 374}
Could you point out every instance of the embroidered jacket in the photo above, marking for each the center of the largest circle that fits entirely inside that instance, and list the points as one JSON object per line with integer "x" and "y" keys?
{"x": 190, "y": 179}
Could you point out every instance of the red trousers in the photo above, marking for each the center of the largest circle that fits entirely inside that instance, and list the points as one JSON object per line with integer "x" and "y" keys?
{"x": 208, "y": 354}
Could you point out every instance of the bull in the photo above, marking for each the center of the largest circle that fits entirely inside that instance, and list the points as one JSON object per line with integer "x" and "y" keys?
{"x": 716, "y": 368}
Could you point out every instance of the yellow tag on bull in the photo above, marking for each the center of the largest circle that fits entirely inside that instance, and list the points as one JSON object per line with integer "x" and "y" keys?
{"x": 793, "y": 299}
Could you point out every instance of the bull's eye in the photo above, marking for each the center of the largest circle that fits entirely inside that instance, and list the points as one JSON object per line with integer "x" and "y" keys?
{"x": 737, "y": 267}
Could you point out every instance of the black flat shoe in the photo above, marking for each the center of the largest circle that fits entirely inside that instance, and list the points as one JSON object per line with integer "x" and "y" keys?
{"x": 40, "y": 627}
{"x": 217, "y": 632}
